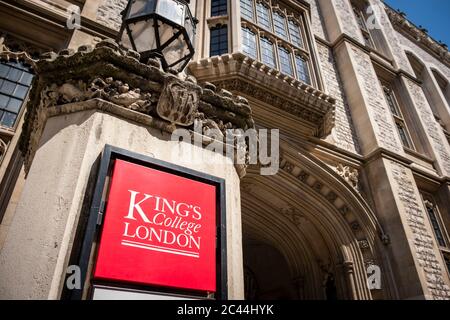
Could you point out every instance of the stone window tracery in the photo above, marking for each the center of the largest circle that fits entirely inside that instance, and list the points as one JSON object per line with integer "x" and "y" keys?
{"x": 263, "y": 15}
{"x": 267, "y": 52}
{"x": 247, "y": 9}
{"x": 285, "y": 30}
{"x": 249, "y": 42}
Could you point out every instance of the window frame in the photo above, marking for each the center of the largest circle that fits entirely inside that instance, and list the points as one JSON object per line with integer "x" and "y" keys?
{"x": 399, "y": 119}
{"x": 428, "y": 200}
{"x": 255, "y": 36}
{"x": 289, "y": 53}
{"x": 300, "y": 32}
{"x": 291, "y": 19}
{"x": 362, "y": 26}
{"x": 269, "y": 15}
{"x": 25, "y": 70}
{"x": 276, "y": 12}
{"x": 219, "y": 4}
{"x": 308, "y": 67}
{"x": 265, "y": 39}
{"x": 214, "y": 28}
{"x": 252, "y": 19}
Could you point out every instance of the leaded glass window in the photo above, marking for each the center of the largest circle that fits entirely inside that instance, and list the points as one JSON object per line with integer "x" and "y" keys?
{"x": 249, "y": 42}
{"x": 263, "y": 14}
{"x": 247, "y": 9}
{"x": 15, "y": 81}
{"x": 279, "y": 23}
{"x": 219, "y": 7}
{"x": 302, "y": 69}
{"x": 219, "y": 41}
{"x": 285, "y": 61}
{"x": 267, "y": 52}
{"x": 296, "y": 36}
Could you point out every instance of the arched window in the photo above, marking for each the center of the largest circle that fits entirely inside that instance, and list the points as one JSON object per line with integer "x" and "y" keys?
{"x": 249, "y": 42}
{"x": 294, "y": 32}
{"x": 15, "y": 81}
{"x": 279, "y": 22}
{"x": 431, "y": 92}
{"x": 285, "y": 61}
{"x": 219, "y": 8}
{"x": 263, "y": 14}
{"x": 302, "y": 69}
{"x": 219, "y": 40}
{"x": 247, "y": 9}
{"x": 267, "y": 52}
{"x": 443, "y": 85}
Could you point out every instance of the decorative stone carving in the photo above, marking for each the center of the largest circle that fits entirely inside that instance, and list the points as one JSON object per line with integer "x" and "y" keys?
{"x": 252, "y": 78}
{"x": 111, "y": 77}
{"x": 363, "y": 244}
{"x": 109, "y": 89}
{"x": 402, "y": 25}
{"x": 3, "y": 147}
{"x": 178, "y": 102}
{"x": 293, "y": 215}
{"x": 349, "y": 174}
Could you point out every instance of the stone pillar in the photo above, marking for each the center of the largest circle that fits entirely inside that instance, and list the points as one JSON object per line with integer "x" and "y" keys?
{"x": 81, "y": 102}
{"x": 418, "y": 266}
{"x": 417, "y": 262}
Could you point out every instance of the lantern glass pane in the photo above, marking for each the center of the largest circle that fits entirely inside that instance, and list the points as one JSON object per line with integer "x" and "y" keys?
{"x": 166, "y": 32}
{"x": 143, "y": 35}
{"x": 141, "y": 7}
{"x": 171, "y": 10}
{"x": 125, "y": 39}
{"x": 190, "y": 29}
{"x": 176, "y": 50}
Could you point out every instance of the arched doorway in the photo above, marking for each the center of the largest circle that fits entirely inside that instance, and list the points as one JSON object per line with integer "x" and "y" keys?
{"x": 306, "y": 233}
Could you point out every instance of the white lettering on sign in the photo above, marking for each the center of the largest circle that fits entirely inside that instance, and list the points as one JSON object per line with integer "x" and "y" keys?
{"x": 163, "y": 225}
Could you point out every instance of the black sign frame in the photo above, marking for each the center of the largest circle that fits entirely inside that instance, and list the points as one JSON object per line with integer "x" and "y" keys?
{"x": 97, "y": 210}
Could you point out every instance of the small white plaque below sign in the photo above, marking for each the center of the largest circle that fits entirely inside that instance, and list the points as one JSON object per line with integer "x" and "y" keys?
{"x": 104, "y": 293}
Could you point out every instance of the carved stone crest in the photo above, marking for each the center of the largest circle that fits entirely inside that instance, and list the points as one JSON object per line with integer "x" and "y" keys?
{"x": 178, "y": 102}
{"x": 349, "y": 174}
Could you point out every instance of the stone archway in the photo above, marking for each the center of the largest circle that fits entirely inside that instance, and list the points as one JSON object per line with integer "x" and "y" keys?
{"x": 320, "y": 225}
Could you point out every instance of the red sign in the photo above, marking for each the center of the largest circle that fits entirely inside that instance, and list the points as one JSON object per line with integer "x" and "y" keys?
{"x": 159, "y": 229}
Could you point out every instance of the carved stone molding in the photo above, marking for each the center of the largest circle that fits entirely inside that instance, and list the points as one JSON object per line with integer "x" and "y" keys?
{"x": 349, "y": 174}
{"x": 3, "y": 148}
{"x": 420, "y": 36}
{"x": 113, "y": 74}
{"x": 254, "y": 79}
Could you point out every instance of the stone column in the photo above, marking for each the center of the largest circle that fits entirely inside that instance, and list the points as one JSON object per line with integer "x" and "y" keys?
{"x": 80, "y": 102}
{"x": 417, "y": 261}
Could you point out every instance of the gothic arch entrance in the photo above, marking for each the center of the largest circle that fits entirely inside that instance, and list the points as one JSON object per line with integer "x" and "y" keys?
{"x": 307, "y": 234}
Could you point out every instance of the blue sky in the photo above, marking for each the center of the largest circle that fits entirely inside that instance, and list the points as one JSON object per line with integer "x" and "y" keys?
{"x": 433, "y": 15}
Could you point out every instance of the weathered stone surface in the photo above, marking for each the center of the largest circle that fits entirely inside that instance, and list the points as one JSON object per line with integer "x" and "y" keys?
{"x": 384, "y": 124}
{"x": 108, "y": 13}
{"x": 343, "y": 132}
{"x": 422, "y": 240}
{"x": 108, "y": 72}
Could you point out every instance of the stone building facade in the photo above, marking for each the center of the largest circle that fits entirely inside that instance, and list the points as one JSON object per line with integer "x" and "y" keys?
{"x": 361, "y": 97}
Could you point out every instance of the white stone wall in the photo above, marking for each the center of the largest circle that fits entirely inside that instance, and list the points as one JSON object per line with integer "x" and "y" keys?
{"x": 108, "y": 13}
{"x": 343, "y": 133}
{"x": 317, "y": 23}
{"x": 422, "y": 240}
{"x": 381, "y": 116}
